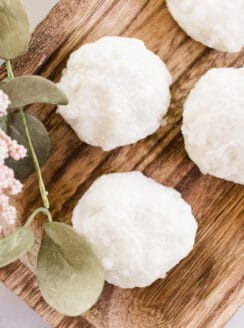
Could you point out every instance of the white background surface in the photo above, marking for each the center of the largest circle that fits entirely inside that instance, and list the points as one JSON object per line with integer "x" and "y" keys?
{"x": 13, "y": 312}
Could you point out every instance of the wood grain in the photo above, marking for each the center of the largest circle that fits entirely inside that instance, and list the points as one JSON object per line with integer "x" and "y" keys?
{"x": 206, "y": 288}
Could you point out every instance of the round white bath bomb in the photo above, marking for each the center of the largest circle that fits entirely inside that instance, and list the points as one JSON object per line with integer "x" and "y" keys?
{"x": 140, "y": 228}
{"x": 218, "y": 24}
{"x": 213, "y": 124}
{"x": 118, "y": 92}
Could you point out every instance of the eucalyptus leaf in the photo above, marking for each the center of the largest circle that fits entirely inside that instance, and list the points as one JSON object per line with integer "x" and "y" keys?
{"x": 4, "y": 123}
{"x": 13, "y": 126}
{"x": 69, "y": 272}
{"x": 26, "y": 90}
{"x": 15, "y": 245}
{"x": 14, "y": 29}
{"x": 3, "y": 81}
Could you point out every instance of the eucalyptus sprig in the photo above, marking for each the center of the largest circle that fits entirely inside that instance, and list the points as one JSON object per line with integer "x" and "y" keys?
{"x": 69, "y": 271}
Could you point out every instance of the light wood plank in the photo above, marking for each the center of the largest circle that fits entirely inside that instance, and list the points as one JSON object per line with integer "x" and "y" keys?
{"x": 206, "y": 288}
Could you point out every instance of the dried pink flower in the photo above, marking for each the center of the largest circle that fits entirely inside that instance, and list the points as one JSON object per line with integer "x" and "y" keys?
{"x": 9, "y": 186}
{"x": 4, "y": 103}
{"x": 15, "y": 150}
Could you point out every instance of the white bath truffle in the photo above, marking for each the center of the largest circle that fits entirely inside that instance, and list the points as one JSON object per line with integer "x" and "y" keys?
{"x": 118, "y": 92}
{"x": 140, "y": 228}
{"x": 218, "y": 24}
{"x": 213, "y": 124}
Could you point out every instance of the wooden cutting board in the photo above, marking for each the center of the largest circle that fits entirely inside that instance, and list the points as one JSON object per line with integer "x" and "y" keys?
{"x": 206, "y": 288}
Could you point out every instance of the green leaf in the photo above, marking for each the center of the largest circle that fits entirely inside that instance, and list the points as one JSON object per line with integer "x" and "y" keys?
{"x": 14, "y": 29}
{"x": 3, "y": 81}
{"x": 13, "y": 126}
{"x": 69, "y": 272}
{"x": 26, "y": 90}
{"x": 15, "y": 245}
{"x": 4, "y": 123}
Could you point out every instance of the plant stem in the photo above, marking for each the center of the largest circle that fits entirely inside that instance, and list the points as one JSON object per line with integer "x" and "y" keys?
{"x": 37, "y": 211}
{"x": 9, "y": 70}
{"x": 35, "y": 161}
{"x": 42, "y": 188}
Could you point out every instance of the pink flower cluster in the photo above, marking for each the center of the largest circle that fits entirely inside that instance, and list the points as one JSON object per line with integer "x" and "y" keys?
{"x": 9, "y": 186}
{"x": 4, "y": 103}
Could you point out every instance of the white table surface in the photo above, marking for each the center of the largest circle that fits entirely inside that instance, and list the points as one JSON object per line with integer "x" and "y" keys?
{"x": 13, "y": 312}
